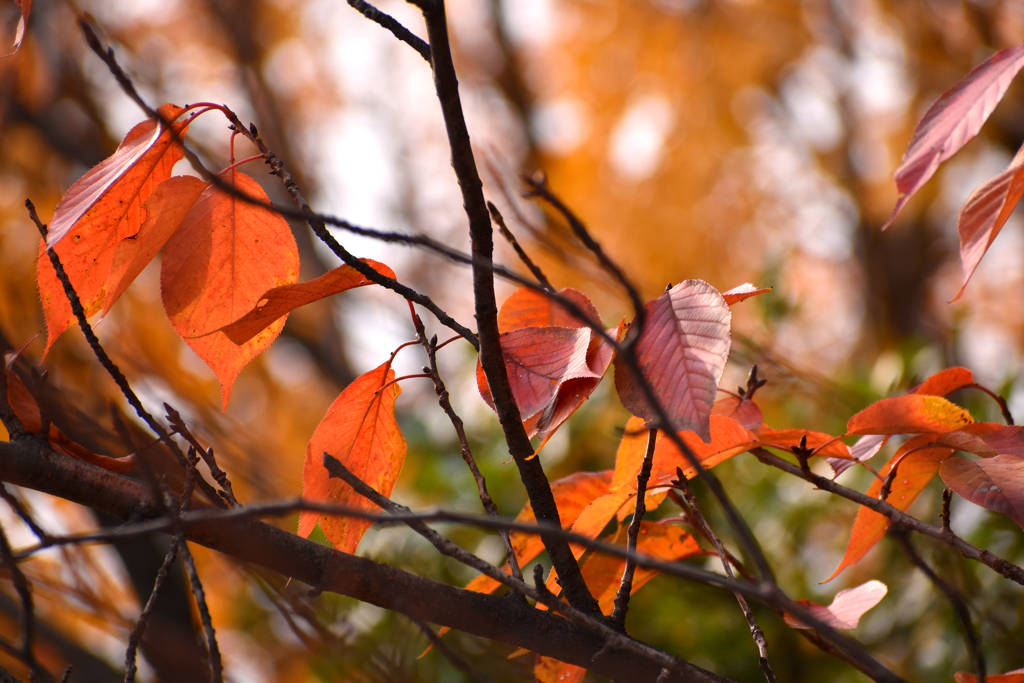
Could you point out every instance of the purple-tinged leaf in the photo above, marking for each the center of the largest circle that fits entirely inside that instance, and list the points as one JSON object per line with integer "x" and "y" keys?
{"x": 995, "y": 484}
{"x": 864, "y": 449}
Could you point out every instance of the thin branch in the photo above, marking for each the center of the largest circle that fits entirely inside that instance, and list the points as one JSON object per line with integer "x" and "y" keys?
{"x": 393, "y": 25}
{"x": 19, "y": 510}
{"x": 104, "y": 359}
{"x": 135, "y": 637}
{"x": 755, "y": 630}
{"x": 499, "y": 220}
{"x": 27, "y": 622}
{"x": 952, "y": 593}
{"x": 451, "y": 654}
{"x": 178, "y": 425}
{"x": 618, "y": 615}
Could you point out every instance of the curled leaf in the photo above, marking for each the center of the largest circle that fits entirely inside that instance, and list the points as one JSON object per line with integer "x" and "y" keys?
{"x": 847, "y": 607}
{"x": 743, "y": 292}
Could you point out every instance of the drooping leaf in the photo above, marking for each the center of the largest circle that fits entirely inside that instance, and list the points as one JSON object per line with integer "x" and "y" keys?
{"x": 282, "y": 300}
{"x": 1016, "y": 676}
{"x": 743, "y": 410}
{"x": 361, "y": 431}
{"x": 681, "y": 352}
{"x": 27, "y": 409}
{"x": 995, "y": 483}
{"x": 914, "y": 471}
{"x": 165, "y": 209}
{"x": 529, "y": 308}
{"x": 25, "y": 8}
{"x": 953, "y": 121}
{"x": 728, "y": 438}
{"x": 743, "y": 292}
{"x": 909, "y": 414}
{"x": 864, "y": 449}
{"x": 550, "y": 670}
{"x": 826, "y": 445}
{"x": 222, "y": 258}
{"x": 985, "y": 213}
{"x": 945, "y": 382}
{"x": 847, "y": 607}
{"x": 101, "y": 209}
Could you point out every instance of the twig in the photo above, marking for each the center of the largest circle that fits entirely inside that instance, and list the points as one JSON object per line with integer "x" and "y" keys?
{"x": 511, "y": 239}
{"x": 392, "y": 24}
{"x": 443, "y": 648}
{"x": 27, "y": 623}
{"x": 755, "y": 630}
{"x": 444, "y": 401}
{"x": 530, "y": 469}
{"x": 178, "y": 425}
{"x": 104, "y": 359}
{"x": 19, "y": 510}
{"x": 618, "y": 615}
{"x": 135, "y": 637}
{"x": 947, "y": 499}
{"x": 952, "y": 593}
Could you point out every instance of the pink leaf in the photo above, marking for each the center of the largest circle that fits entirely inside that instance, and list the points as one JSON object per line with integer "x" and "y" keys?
{"x": 864, "y": 449}
{"x": 953, "y": 121}
{"x": 847, "y": 607}
{"x": 995, "y": 484}
{"x": 984, "y": 214}
{"x": 682, "y": 352}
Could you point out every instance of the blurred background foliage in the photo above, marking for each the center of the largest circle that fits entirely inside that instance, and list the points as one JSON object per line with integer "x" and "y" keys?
{"x": 728, "y": 140}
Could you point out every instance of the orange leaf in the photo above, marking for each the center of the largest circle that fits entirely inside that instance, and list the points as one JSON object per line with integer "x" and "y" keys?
{"x": 945, "y": 382}
{"x": 914, "y": 472}
{"x": 280, "y": 301}
{"x": 743, "y": 410}
{"x": 681, "y": 352}
{"x": 742, "y": 293}
{"x": 787, "y": 438}
{"x": 101, "y": 209}
{"x": 995, "y": 484}
{"x": 1016, "y": 676}
{"x": 530, "y": 308}
{"x": 728, "y": 438}
{"x": 847, "y": 607}
{"x": 360, "y": 430}
{"x": 985, "y": 213}
{"x": 225, "y": 254}
{"x": 550, "y": 670}
{"x": 909, "y": 414}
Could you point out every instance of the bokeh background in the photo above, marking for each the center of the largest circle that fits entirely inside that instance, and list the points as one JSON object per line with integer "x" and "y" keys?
{"x": 728, "y": 140}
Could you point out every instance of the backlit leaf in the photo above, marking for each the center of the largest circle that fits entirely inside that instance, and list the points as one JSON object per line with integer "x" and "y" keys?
{"x": 826, "y": 444}
{"x": 909, "y": 414}
{"x": 550, "y": 670}
{"x": 862, "y": 450}
{"x": 743, "y": 292}
{"x": 529, "y": 308}
{"x": 985, "y": 213}
{"x": 681, "y": 352}
{"x": 282, "y": 300}
{"x": 360, "y": 430}
{"x": 743, "y": 410}
{"x": 913, "y": 474}
{"x": 222, "y": 258}
{"x": 995, "y": 483}
{"x": 98, "y": 211}
{"x": 953, "y": 121}
{"x": 945, "y": 382}
{"x": 847, "y": 607}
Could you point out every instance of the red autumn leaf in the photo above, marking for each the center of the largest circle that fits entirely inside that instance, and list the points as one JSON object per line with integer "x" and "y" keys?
{"x": 282, "y": 300}
{"x": 914, "y": 471}
{"x": 572, "y": 494}
{"x": 681, "y": 352}
{"x": 743, "y": 292}
{"x": 360, "y": 430}
{"x": 1016, "y": 676}
{"x": 909, "y": 414}
{"x": 222, "y": 258}
{"x": 1005, "y": 441}
{"x": 27, "y": 409}
{"x": 165, "y": 209}
{"x": 743, "y": 410}
{"x": 98, "y": 211}
{"x": 25, "y": 8}
{"x": 728, "y": 438}
{"x": 995, "y": 483}
{"x": 529, "y": 308}
{"x": 945, "y": 382}
{"x": 847, "y": 607}
{"x": 985, "y": 213}
{"x": 953, "y": 121}
{"x": 827, "y": 445}
{"x": 550, "y": 670}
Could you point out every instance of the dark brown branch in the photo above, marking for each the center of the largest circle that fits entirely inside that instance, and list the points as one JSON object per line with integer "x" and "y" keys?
{"x": 499, "y": 220}
{"x": 392, "y": 24}
{"x": 618, "y": 615}
{"x": 443, "y": 648}
{"x": 27, "y": 620}
{"x": 179, "y": 426}
{"x": 135, "y": 637}
{"x": 491, "y": 359}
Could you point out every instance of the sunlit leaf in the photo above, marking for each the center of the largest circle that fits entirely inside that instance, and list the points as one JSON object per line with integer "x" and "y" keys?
{"x": 280, "y": 301}
{"x": 743, "y": 292}
{"x": 945, "y": 382}
{"x": 914, "y": 472}
{"x": 953, "y": 121}
{"x": 743, "y": 410}
{"x": 224, "y": 256}
{"x": 824, "y": 445}
{"x": 102, "y": 208}
{"x": 847, "y": 607}
{"x": 995, "y": 483}
{"x": 681, "y": 352}
{"x": 550, "y": 670}
{"x": 361, "y": 431}
{"x": 529, "y": 308}
{"x": 909, "y": 414}
{"x": 862, "y": 450}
